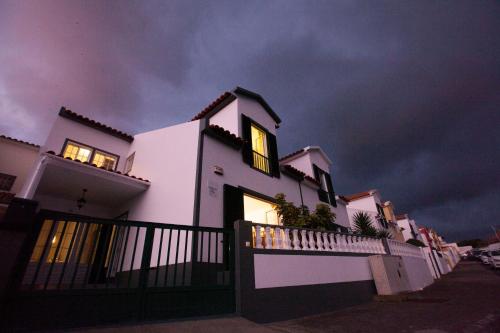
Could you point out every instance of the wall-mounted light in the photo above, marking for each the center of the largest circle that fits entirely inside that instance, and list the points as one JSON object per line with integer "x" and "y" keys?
{"x": 81, "y": 202}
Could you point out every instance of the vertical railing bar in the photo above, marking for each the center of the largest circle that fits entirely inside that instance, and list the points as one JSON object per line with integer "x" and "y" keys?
{"x": 70, "y": 250}
{"x": 44, "y": 252}
{"x": 176, "y": 256}
{"x": 133, "y": 256}
{"x": 92, "y": 255}
{"x": 223, "y": 263}
{"x": 56, "y": 253}
{"x": 209, "y": 252}
{"x": 125, "y": 248}
{"x": 200, "y": 265}
{"x": 159, "y": 257}
{"x": 77, "y": 263}
{"x": 217, "y": 257}
{"x": 231, "y": 258}
{"x": 114, "y": 244}
{"x": 185, "y": 255}
{"x": 103, "y": 257}
{"x": 168, "y": 257}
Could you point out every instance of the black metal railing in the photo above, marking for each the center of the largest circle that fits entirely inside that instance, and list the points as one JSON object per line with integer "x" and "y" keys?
{"x": 260, "y": 162}
{"x": 76, "y": 252}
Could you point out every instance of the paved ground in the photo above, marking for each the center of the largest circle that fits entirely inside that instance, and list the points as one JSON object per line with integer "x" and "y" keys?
{"x": 466, "y": 300}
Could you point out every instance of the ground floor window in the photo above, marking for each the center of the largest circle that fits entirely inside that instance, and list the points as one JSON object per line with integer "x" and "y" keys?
{"x": 259, "y": 211}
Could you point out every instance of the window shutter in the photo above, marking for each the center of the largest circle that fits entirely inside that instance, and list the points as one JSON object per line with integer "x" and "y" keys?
{"x": 233, "y": 205}
{"x": 316, "y": 173}
{"x": 331, "y": 192}
{"x": 247, "y": 136}
{"x": 273, "y": 155}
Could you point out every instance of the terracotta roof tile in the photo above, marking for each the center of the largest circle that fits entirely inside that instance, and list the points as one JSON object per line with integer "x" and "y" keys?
{"x": 356, "y": 196}
{"x": 224, "y": 97}
{"x": 225, "y": 135}
{"x": 401, "y": 216}
{"x": 95, "y": 166}
{"x": 19, "y": 141}
{"x": 68, "y": 114}
{"x": 297, "y": 174}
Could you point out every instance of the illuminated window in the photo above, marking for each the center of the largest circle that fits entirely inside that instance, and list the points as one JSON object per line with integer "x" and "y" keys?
{"x": 85, "y": 153}
{"x": 77, "y": 151}
{"x": 58, "y": 242}
{"x": 259, "y": 149}
{"x": 259, "y": 211}
{"x": 102, "y": 159}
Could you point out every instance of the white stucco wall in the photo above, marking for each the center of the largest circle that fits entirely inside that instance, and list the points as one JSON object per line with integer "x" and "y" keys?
{"x": 168, "y": 158}
{"x": 17, "y": 159}
{"x": 63, "y": 129}
{"x": 405, "y": 224}
{"x": 228, "y": 118}
{"x": 252, "y": 109}
{"x": 341, "y": 213}
{"x": 272, "y": 271}
{"x": 237, "y": 173}
{"x": 419, "y": 274}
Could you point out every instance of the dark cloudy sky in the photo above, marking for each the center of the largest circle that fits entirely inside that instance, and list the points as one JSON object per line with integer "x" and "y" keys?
{"x": 403, "y": 95}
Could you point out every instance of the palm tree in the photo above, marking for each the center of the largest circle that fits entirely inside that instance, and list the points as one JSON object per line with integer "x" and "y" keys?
{"x": 384, "y": 234}
{"x": 363, "y": 224}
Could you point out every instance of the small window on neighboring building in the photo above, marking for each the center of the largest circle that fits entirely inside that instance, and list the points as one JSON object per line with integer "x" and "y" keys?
{"x": 128, "y": 163}
{"x": 77, "y": 151}
{"x": 102, "y": 159}
{"x": 6, "y": 181}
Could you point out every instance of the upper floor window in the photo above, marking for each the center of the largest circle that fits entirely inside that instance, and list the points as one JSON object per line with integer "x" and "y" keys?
{"x": 85, "y": 153}
{"x": 325, "y": 192}
{"x": 260, "y": 150}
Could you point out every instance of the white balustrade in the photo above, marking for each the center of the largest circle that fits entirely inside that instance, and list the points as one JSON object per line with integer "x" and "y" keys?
{"x": 278, "y": 244}
{"x": 286, "y": 239}
{"x": 305, "y": 243}
{"x": 326, "y": 242}
{"x": 312, "y": 243}
{"x": 333, "y": 245}
{"x": 268, "y": 239}
{"x": 296, "y": 241}
{"x": 258, "y": 237}
{"x": 319, "y": 241}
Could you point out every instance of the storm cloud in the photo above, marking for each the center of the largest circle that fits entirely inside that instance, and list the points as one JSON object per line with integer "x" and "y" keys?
{"x": 404, "y": 96}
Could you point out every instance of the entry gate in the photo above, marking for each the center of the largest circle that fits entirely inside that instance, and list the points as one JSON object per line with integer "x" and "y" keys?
{"x": 85, "y": 271}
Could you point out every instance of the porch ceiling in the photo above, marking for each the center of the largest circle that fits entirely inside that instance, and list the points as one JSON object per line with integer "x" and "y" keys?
{"x": 66, "y": 179}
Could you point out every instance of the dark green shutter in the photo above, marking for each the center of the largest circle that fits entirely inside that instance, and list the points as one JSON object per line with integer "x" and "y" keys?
{"x": 316, "y": 173}
{"x": 331, "y": 192}
{"x": 233, "y": 205}
{"x": 247, "y": 136}
{"x": 273, "y": 155}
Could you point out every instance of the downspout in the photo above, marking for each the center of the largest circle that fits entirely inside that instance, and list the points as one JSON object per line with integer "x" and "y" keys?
{"x": 300, "y": 191}
{"x": 199, "y": 166}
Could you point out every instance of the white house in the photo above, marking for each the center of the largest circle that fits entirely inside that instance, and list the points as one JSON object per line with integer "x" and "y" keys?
{"x": 368, "y": 202}
{"x": 409, "y": 228}
{"x": 221, "y": 166}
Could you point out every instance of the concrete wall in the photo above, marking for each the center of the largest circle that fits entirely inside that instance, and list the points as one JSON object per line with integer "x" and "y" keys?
{"x": 17, "y": 159}
{"x": 418, "y": 272}
{"x": 63, "y": 129}
{"x": 274, "y": 271}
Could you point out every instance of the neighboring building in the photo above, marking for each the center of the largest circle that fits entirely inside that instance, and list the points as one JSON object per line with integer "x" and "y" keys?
{"x": 16, "y": 161}
{"x": 368, "y": 202}
{"x": 390, "y": 216}
{"x": 408, "y": 227}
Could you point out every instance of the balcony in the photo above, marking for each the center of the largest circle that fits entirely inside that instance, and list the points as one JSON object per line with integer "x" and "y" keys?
{"x": 260, "y": 162}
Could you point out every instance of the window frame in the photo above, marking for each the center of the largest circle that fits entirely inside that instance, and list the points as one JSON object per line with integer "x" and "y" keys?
{"x": 7, "y": 179}
{"x": 127, "y": 162}
{"x": 93, "y": 151}
{"x": 265, "y": 131}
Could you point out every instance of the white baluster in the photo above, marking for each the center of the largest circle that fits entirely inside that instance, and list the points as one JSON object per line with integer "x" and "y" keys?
{"x": 296, "y": 241}
{"x": 333, "y": 245}
{"x": 319, "y": 241}
{"x": 312, "y": 243}
{"x": 278, "y": 244}
{"x": 258, "y": 237}
{"x": 305, "y": 243}
{"x": 269, "y": 241}
{"x": 326, "y": 243}
{"x": 349, "y": 243}
{"x": 286, "y": 240}
{"x": 356, "y": 244}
